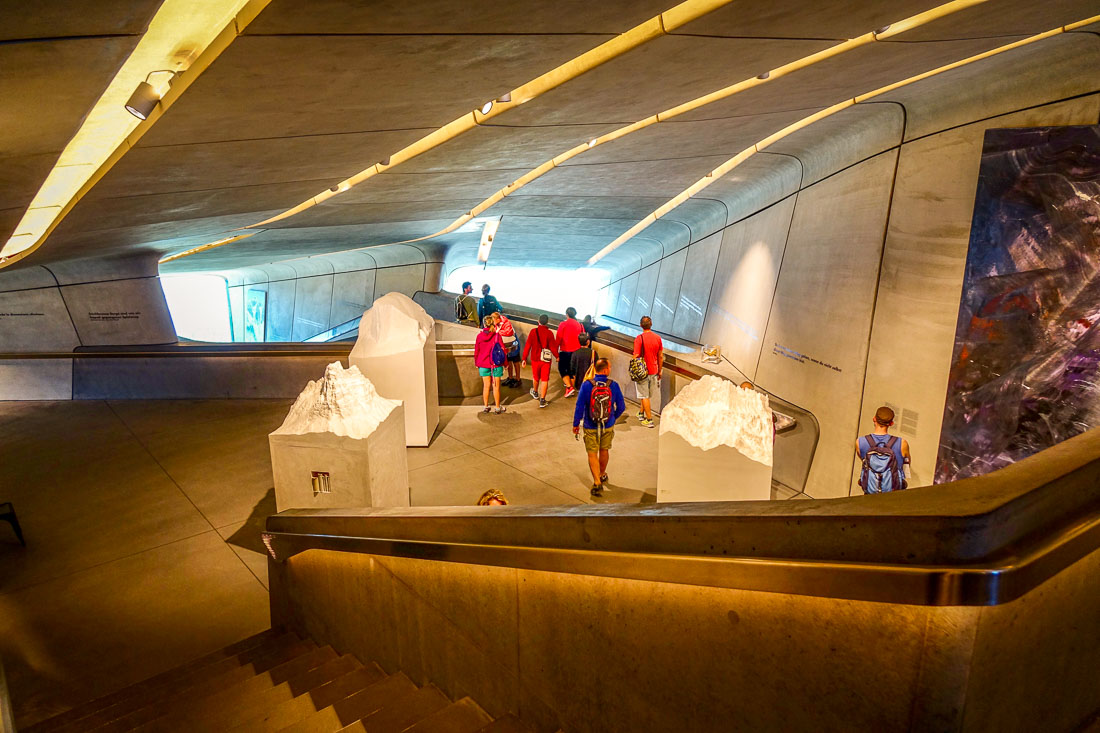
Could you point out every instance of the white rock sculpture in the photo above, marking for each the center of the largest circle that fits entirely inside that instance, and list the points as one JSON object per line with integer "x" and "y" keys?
{"x": 342, "y": 445}
{"x": 715, "y": 444}
{"x": 396, "y": 351}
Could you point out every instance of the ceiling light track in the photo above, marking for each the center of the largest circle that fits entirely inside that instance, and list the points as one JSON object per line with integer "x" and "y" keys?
{"x": 182, "y": 40}
{"x": 910, "y": 23}
{"x": 744, "y": 155}
{"x": 642, "y": 33}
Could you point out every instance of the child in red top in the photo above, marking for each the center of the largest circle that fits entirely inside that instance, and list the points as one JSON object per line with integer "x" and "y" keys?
{"x": 540, "y": 338}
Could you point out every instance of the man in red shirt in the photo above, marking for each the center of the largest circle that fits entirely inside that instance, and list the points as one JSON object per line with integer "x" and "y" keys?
{"x": 568, "y": 330}
{"x": 649, "y": 345}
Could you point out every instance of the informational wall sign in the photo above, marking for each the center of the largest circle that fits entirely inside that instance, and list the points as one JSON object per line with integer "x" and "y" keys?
{"x": 20, "y": 315}
{"x": 113, "y": 316}
{"x": 781, "y": 350}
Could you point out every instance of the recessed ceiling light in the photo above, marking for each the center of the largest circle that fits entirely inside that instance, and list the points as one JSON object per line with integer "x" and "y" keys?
{"x": 765, "y": 75}
{"x": 883, "y": 29}
{"x": 506, "y": 97}
{"x": 592, "y": 142}
{"x": 487, "y": 107}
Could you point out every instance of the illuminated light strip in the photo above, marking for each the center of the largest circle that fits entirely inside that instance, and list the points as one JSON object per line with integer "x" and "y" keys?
{"x": 732, "y": 163}
{"x": 211, "y": 245}
{"x": 691, "y": 105}
{"x": 644, "y": 32}
{"x": 205, "y": 28}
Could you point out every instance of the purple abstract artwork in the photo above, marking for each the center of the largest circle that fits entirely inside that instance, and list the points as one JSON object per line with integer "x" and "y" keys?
{"x": 1025, "y": 371}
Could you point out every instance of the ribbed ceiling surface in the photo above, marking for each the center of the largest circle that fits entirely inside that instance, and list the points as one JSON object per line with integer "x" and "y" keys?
{"x": 314, "y": 92}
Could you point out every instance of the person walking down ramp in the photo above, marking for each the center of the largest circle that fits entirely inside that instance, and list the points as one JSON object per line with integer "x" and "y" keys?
{"x": 883, "y": 456}
{"x": 540, "y": 350}
{"x": 568, "y": 331}
{"x": 599, "y": 404}
{"x": 489, "y": 358}
{"x": 645, "y": 369}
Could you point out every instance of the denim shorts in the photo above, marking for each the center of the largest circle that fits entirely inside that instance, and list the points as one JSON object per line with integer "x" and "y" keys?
{"x": 648, "y": 387}
{"x": 494, "y": 372}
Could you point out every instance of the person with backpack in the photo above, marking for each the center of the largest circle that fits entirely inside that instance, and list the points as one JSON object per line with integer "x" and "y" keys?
{"x": 540, "y": 350}
{"x": 466, "y": 306}
{"x": 568, "y": 331}
{"x": 510, "y": 339}
{"x": 489, "y": 304}
{"x": 883, "y": 456}
{"x": 645, "y": 369}
{"x": 489, "y": 357}
{"x": 582, "y": 359}
{"x": 599, "y": 404}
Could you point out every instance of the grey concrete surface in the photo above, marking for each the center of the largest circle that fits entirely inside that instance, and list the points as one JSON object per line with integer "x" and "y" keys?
{"x": 142, "y": 521}
{"x": 922, "y": 272}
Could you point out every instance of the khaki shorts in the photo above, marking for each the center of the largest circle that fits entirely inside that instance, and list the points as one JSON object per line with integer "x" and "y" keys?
{"x": 594, "y": 442}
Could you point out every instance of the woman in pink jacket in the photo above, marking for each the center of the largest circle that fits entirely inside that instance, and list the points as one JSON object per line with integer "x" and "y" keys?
{"x": 483, "y": 359}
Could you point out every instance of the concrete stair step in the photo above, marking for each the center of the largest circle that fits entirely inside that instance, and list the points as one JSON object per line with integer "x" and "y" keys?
{"x": 355, "y": 706}
{"x": 405, "y": 711}
{"x": 507, "y": 723}
{"x": 289, "y": 693}
{"x": 464, "y": 716}
{"x": 268, "y": 688}
{"x": 202, "y": 685}
{"x": 174, "y": 683}
{"x": 145, "y": 686}
{"x": 278, "y": 716}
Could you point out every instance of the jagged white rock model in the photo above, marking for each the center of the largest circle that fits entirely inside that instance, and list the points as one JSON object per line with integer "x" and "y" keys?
{"x": 713, "y": 411}
{"x": 715, "y": 444}
{"x": 395, "y": 323}
{"x": 343, "y": 402}
{"x": 342, "y": 445}
{"x": 396, "y": 351}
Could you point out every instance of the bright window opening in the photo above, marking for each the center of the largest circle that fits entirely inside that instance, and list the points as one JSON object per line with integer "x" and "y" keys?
{"x": 199, "y": 305}
{"x": 548, "y": 288}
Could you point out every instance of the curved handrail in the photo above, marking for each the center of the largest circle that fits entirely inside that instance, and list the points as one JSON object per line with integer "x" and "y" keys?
{"x": 975, "y": 542}
{"x": 7, "y": 714}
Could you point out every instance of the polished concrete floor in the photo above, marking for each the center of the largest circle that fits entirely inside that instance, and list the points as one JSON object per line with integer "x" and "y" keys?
{"x": 142, "y": 522}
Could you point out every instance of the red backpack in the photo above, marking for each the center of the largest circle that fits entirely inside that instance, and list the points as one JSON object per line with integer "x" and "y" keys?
{"x": 599, "y": 404}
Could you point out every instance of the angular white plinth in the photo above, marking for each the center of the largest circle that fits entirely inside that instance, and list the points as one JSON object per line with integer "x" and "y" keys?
{"x": 715, "y": 444}
{"x": 342, "y": 445}
{"x": 396, "y": 351}
{"x": 688, "y": 473}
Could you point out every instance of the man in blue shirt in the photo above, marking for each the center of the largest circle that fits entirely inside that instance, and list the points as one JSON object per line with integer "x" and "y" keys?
{"x": 599, "y": 404}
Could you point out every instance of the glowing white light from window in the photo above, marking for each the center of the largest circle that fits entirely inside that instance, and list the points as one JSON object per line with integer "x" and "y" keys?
{"x": 199, "y": 305}
{"x": 552, "y": 289}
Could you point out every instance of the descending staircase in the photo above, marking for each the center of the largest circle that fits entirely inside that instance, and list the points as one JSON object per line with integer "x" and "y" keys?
{"x": 279, "y": 682}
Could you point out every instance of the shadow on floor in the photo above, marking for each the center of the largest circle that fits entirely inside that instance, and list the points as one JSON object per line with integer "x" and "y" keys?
{"x": 248, "y": 536}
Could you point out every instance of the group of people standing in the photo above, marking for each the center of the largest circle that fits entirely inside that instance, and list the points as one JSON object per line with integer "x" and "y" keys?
{"x": 584, "y": 374}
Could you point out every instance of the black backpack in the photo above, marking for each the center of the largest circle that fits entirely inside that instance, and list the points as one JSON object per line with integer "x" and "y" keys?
{"x": 460, "y": 309}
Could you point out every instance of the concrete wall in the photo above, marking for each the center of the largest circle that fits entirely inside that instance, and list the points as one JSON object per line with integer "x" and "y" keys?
{"x": 848, "y": 232}
{"x": 311, "y": 295}
{"x": 68, "y": 305}
{"x": 586, "y": 653}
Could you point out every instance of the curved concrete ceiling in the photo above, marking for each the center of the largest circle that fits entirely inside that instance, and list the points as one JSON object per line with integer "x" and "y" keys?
{"x": 302, "y": 100}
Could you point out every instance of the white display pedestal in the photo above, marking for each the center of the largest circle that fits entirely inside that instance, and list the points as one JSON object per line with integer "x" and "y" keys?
{"x": 396, "y": 351}
{"x": 715, "y": 444}
{"x": 358, "y": 472}
{"x": 687, "y": 473}
{"x": 341, "y": 446}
